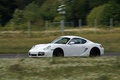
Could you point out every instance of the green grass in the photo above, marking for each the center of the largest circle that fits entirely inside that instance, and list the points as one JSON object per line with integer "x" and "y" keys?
{"x": 73, "y": 68}
{"x": 21, "y": 42}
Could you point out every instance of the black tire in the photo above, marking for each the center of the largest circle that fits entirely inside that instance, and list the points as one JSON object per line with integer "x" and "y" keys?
{"x": 58, "y": 53}
{"x": 94, "y": 52}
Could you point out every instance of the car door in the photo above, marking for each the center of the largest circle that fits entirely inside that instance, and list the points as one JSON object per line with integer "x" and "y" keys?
{"x": 75, "y": 47}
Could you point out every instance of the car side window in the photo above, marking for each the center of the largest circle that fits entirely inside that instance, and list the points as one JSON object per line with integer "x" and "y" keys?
{"x": 63, "y": 41}
{"x": 83, "y": 41}
{"x": 78, "y": 41}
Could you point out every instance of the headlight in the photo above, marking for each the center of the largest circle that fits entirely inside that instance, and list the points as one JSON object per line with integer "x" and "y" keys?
{"x": 33, "y": 47}
{"x": 101, "y": 46}
{"x": 46, "y": 48}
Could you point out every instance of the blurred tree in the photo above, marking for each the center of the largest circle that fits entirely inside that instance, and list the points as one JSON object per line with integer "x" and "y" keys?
{"x": 7, "y": 8}
{"x": 48, "y": 10}
{"x": 18, "y": 17}
{"x": 22, "y": 3}
{"x": 103, "y": 14}
{"x": 39, "y": 2}
{"x": 31, "y": 12}
{"x": 77, "y": 9}
{"x": 95, "y": 3}
{"x": 114, "y": 1}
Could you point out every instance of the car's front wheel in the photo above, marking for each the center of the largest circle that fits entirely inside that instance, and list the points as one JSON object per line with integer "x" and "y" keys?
{"x": 94, "y": 52}
{"x": 58, "y": 53}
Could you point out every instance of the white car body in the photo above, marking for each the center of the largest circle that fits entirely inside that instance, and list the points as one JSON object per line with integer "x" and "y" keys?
{"x": 67, "y": 46}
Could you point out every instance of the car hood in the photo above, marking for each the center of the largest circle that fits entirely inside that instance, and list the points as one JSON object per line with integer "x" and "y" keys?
{"x": 40, "y": 46}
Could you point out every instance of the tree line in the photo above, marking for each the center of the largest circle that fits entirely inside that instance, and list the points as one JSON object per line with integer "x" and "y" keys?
{"x": 38, "y": 11}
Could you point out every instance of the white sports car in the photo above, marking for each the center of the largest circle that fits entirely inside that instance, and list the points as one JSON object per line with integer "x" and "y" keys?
{"x": 67, "y": 46}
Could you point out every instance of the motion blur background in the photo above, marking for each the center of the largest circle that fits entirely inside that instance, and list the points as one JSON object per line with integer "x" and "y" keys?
{"x": 24, "y": 23}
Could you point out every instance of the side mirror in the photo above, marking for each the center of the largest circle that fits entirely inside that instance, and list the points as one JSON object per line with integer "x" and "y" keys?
{"x": 71, "y": 43}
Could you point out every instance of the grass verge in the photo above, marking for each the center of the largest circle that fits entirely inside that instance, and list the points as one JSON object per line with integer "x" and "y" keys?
{"x": 73, "y": 68}
{"x": 21, "y": 42}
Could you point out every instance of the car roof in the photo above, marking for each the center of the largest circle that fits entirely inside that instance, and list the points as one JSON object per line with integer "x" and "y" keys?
{"x": 76, "y": 37}
{"x": 72, "y": 36}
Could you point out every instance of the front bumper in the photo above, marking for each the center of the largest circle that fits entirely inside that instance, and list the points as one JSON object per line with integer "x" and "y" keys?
{"x": 102, "y": 51}
{"x": 48, "y": 53}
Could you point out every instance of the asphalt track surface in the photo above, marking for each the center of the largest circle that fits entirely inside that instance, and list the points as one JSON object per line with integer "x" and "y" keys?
{"x": 25, "y": 55}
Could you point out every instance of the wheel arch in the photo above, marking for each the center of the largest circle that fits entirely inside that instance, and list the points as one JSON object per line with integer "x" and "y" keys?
{"x": 58, "y": 49}
{"x": 95, "y": 51}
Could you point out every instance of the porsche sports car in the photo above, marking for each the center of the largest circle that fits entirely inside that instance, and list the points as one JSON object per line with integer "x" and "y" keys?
{"x": 65, "y": 46}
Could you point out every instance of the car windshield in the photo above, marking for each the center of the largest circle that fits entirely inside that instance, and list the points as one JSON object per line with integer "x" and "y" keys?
{"x": 61, "y": 40}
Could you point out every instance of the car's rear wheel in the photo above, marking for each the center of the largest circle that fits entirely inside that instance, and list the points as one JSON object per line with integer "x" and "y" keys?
{"x": 58, "y": 53}
{"x": 94, "y": 52}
